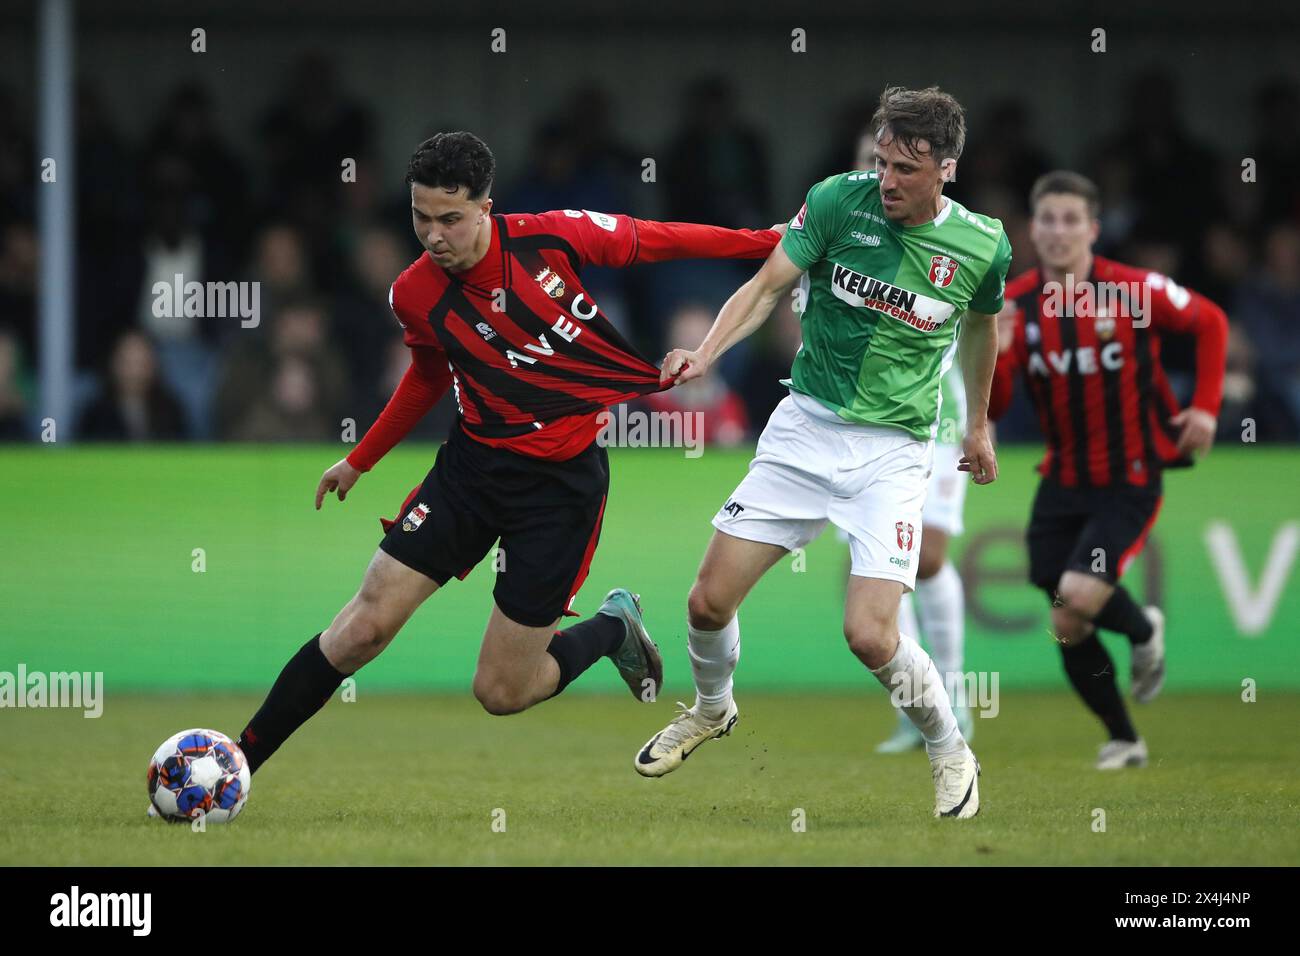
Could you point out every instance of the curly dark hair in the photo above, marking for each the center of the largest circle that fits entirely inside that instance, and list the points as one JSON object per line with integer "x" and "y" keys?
{"x": 929, "y": 114}
{"x": 452, "y": 160}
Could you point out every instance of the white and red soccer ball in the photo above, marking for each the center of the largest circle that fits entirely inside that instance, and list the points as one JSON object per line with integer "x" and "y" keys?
{"x": 199, "y": 773}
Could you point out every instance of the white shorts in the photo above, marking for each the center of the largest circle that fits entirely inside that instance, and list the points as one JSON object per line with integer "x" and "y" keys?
{"x": 946, "y": 495}
{"x": 870, "y": 482}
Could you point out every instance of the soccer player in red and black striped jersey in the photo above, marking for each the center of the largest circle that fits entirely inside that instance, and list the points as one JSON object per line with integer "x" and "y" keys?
{"x": 495, "y": 310}
{"x": 1085, "y": 334}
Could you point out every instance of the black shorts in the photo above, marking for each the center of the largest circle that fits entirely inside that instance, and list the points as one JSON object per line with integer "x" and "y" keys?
{"x": 546, "y": 513}
{"x": 1097, "y": 531}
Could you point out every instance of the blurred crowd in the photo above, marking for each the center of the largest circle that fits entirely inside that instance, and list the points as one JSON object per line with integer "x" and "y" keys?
{"x": 326, "y": 350}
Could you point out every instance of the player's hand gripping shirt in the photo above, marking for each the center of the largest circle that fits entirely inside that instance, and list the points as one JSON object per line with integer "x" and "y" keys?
{"x": 884, "y": 301}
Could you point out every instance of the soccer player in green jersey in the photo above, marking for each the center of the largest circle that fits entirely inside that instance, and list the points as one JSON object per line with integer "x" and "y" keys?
{"x": 893, "y": 265}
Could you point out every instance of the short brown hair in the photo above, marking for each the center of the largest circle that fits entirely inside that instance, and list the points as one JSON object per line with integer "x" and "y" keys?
{"x": 1070, "y": 183}
{"x": 929, "y": 114}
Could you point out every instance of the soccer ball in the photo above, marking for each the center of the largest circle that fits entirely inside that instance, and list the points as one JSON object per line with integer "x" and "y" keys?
{"x": 199, "y": 773}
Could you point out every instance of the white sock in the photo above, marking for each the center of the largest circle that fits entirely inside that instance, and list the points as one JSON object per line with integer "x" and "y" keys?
{"x": 914, "y": 685}
{"x": 941, "y": 607}
{"x": 714, "y": 655}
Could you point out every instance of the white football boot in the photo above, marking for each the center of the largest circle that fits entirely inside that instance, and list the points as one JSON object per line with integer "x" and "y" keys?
{"x": 1148, "y": 660}
{"x": 668, "y": 749}
{"x": 956, "y": 784}
{"x": 1118, "y": 754}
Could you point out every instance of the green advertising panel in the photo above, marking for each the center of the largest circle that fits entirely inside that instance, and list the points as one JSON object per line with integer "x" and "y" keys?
{"x": 207, "y": 567}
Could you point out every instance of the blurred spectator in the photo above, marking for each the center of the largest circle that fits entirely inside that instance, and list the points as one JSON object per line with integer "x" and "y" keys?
{"x": 716, "y": 168}
{"x": 1226, "y": 258}
{"x": 1160, "y": 163}
{"x": 173, "y": 251}
{"x": 723, "y": 416}
{"x": 109, "y": 226}
{"x": 13, "y": 404}
{"x": 280, "y": 266}
{"x": 1120, "y": 205}
{"x": 558, "y": 176}
{"x": 306, "y": 135}
{"x": 267, "y": 379}
{"x": 363, "y": 318}
{"x": 289, "y": 406}
{"x": 133, "y": 404}
{"x": 1277, "y": 150}
{"x": 852, "y": 121}
{"x": 18, "y": 284}
{"x": 602, "y": 154}
{"x": 17, "y": 198}
{"x": 1003, "y": 152}
{"x": 1268, "y": 309}
{"x": 218, "y": 194}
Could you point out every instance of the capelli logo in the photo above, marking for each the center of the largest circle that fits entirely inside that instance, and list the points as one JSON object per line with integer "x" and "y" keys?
{"x": 866, "y": 240}
{"x": 75, "y": 909}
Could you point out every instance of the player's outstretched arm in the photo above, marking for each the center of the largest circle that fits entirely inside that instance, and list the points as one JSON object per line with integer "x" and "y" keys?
{"x": 1176, "y": 309}
{"x": 338, "y": 477}
{"x": 978, "y": 353}
{"x": 747, "y": 309}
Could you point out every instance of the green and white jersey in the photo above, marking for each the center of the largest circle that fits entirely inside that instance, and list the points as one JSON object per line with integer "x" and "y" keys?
{"x": 884, "y": 301}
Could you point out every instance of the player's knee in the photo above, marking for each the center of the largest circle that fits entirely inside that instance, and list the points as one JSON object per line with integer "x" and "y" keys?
{"x": 870, "y": 639}
{"x": 705, "y": 610}
{"x": 364, "y": 632}
{"x": 1067, "y": 627}
{"x": 497, "y": 697}
{"x": 1074, "y": 596}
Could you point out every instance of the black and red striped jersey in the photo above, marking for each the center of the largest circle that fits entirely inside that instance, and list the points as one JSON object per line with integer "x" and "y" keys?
{"x": 530, "y": 355}
{"x": 1090, "y": 360}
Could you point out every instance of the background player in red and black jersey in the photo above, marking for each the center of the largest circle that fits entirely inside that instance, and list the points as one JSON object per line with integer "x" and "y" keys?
{"x": 495, "y": 309}
{"x": 1085, "y": 334}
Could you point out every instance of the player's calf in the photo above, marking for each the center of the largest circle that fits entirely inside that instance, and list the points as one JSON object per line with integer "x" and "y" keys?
{"x": 389, "y": 594}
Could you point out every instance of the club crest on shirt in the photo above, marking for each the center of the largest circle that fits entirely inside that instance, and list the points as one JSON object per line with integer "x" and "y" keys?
{"x": 942, "y": 269}
{"x": 1104, "y": 324}
{"x": 551, "y": 284}
{"x": 415, "y": 517}
{"x": 904, "y": 529}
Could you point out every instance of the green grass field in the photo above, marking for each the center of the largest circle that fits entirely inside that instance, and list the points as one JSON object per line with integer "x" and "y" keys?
{"x": 404, "y": 779}
{"x": 100, "y": 572}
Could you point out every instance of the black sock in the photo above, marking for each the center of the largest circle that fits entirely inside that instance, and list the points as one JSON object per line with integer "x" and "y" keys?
{"x": 1093, "y": 675}
{"x": 303, "y": 687}
{"x": 578, "y": 647}
{"x": 1122, "y": 615}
